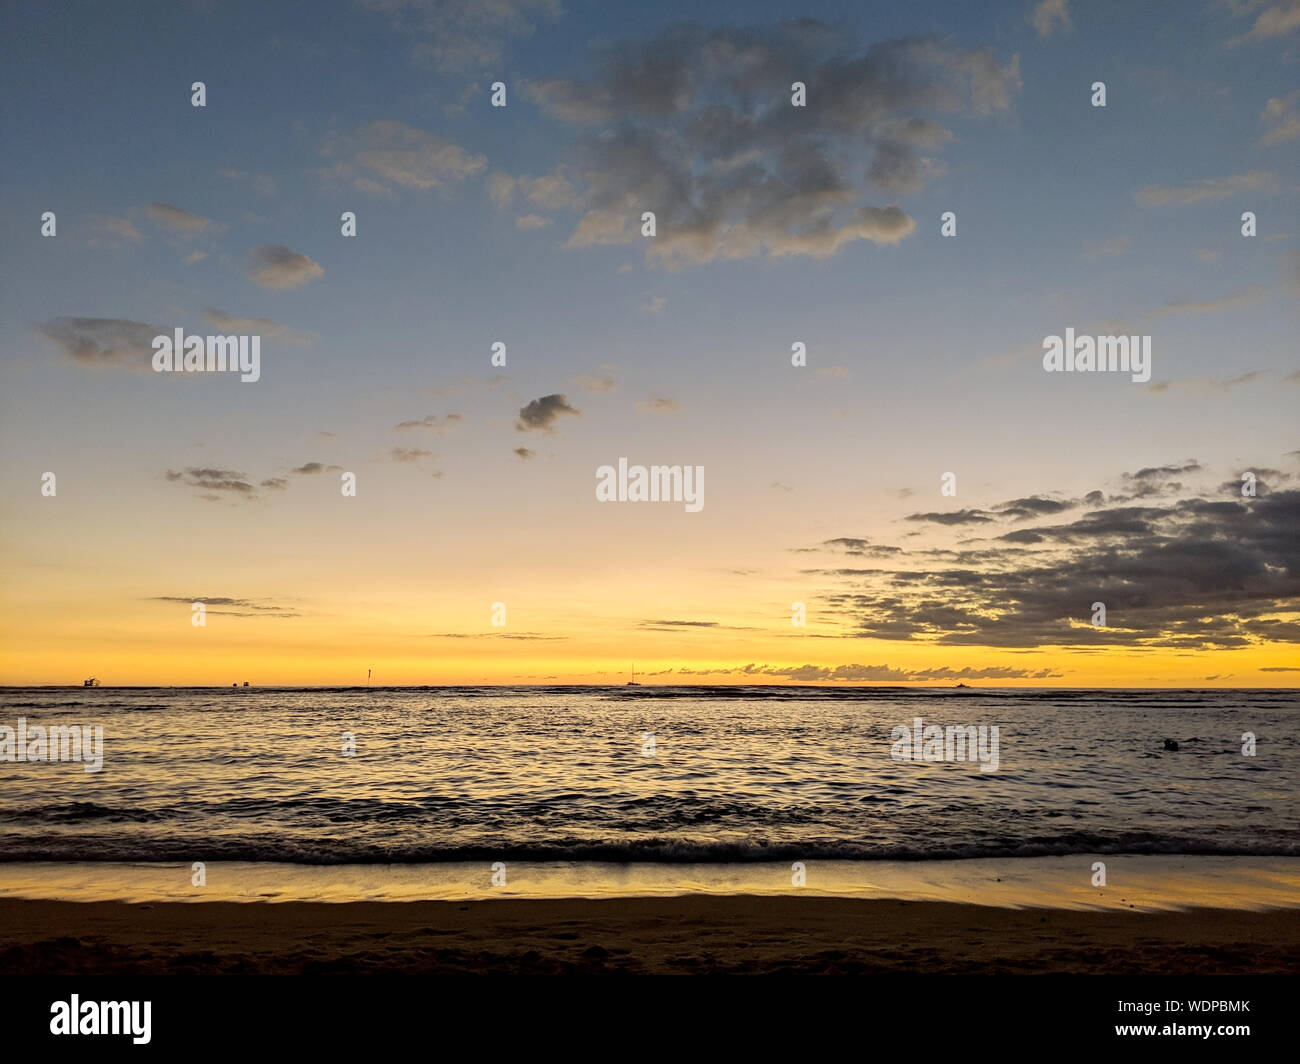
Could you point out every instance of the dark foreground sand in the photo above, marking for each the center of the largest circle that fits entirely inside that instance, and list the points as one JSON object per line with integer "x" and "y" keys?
{"x": 740, "y": 934}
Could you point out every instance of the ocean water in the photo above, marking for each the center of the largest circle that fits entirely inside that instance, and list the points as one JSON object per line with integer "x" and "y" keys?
{"x": 560, "y": 774}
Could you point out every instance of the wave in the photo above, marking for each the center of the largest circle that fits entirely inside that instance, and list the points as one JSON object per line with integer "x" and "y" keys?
{"x": 653, "y": 850}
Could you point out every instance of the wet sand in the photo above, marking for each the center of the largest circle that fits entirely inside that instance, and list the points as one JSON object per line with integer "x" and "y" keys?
{"x": 686, "y": 934}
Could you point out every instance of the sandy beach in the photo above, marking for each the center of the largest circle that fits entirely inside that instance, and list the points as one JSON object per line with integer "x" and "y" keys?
{"x": 692, "y": 934}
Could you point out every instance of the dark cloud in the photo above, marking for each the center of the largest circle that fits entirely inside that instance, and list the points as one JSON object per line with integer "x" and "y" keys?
{"x": 440, "y": 425}
{"x": 215, "y": 482}
{"x": 954, "y": 517}
{"x": 697, "y": 125}
{"x": 239, "y": 607}
{"x": 404, "y": 454}
{"x": 1192, "y": 572}
{"x": 1034, "y": 506}
{"x": 856, "y": 673}
{"x": 311, "y": 468}
{"x": 856, "y": 547}
{"x": 113, "y": 342}
{"x": 523, "y": 453}
{"x": 542, "y": 413}
{"x": 495, "y": 635}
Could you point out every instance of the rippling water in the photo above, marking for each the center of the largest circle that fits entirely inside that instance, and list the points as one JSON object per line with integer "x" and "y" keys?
{"x": 758, "y": 773}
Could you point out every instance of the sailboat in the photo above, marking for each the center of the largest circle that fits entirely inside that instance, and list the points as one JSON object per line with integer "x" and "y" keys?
{"x": 632, "y": 682}
{"x": 92, "y": 682}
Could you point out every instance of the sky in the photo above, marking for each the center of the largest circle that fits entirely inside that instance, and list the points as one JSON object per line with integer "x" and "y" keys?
{"x": 775, "y": 224}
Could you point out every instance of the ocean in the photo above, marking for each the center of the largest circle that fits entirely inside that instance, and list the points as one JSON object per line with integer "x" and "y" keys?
{"x": 650, "y": 774}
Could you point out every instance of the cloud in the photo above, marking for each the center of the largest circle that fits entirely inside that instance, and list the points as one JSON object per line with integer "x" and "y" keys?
{"x": 465, "y": 36}
{"x": 656, "y": 305}
{"x": 109, "y": 342}
{"x": 276, "y": 267}
{"x": 659, "y": 406}
{"x": 122, "y": 228}
{"x": 1245, "y": 297}
{"x": 1213, "y": 188}
{"x": 501, "y": 189}
{"x": 856, "y": 673}
{"x": 592, "y": 383}
{"x": 689, "y": 626}
{"x": 1189, "y": 571}
{"x": 541, "y": 414}
{"x": 1033, "y": 506}
{"x": 1050, "y": 15}
{"x": 1209, "y": 384}
{"x": 1208, "y": 255}
{"x": 312, "y": 468}
{"x": 264, "y": 327}
{"x": 531, "y": 636}
{"x": 433, "y": 423}
{"x": 553, "y": 192}
{"x": 523, "y": 453}
{"x": 262, "y": 184}
{"x": 680, "y": 624}
{"x": 215, "y": 482}
{"x": 697, "y": 126}
{"x": 404, "y": 454}
{"x": 1277, "y": 20}
{"x": 1116, "y": 245}
{"x": 180, "y": 222}
{"x": 532, "y": 221}
{"x": 240, "y": 607}
{"x": 385, "y": 153}
{"x": 953, "y": 517}
{"x": 1281, "y": 118}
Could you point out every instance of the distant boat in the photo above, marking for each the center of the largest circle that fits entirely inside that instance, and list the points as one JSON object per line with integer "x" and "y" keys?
{"x": 92, "y": 682}
{"x": 245, "y": 683}
{"x": 963, "y": 685}
{"x": 632, "y": 682}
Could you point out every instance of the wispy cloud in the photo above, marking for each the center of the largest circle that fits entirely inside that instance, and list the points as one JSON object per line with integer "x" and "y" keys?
{"x": 1281, "y": 119}
{"x": 178, "y": 221}
{"x": 385, "y": 154}
{"x": 464, "y": 36}
{"x": 1208, "y": 189}
{"x": 660, "y": 406}
{"x": 432, "y": 423}
{"x": 1049, "y": 16}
